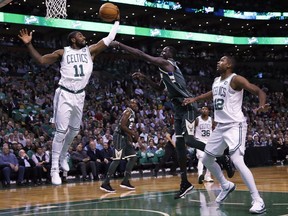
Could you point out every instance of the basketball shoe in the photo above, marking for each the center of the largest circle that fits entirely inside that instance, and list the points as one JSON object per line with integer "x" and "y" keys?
{"x": 258, "y": 206}
{"x": 107, "y": 187}
{"x": 200, "y": 179}
{"x": 228, "y": 166}
{"x": 55, "y": 177}
{"x": 127, "y": 185}
{"x": 225, "y": 192}
{"x": 185, "y": 187}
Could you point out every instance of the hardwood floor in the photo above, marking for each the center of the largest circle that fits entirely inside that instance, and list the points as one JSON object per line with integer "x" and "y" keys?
{"x": 268, "y": 179}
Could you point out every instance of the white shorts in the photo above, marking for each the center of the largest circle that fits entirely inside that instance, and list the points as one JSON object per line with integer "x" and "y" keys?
{"x": 68, "y": 109}
{"x": 232, "y": 135}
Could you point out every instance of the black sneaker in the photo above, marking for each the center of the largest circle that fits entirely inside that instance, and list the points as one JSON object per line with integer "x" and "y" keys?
{"x": 127, "y": 185}
{"x": 201, "y": 179}
{"x": 184, "y": 189}
{"x": 228, "y": 166}
{"x": 107, "y": 188}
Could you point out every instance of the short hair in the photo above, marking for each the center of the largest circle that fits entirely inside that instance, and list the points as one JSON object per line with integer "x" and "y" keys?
{"x": 173, "y": 51}
{"x": 232, "y": 60}
{"x": 70, "y": 36}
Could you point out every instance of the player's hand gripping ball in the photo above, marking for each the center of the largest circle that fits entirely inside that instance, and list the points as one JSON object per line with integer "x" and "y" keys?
{"x": 109, "y": 12}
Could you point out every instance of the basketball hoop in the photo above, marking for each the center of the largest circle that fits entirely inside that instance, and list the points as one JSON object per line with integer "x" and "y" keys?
{"x": 56, "y": 9}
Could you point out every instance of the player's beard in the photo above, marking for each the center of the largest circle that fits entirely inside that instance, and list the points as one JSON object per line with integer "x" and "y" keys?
{"x": 81, "y": 45}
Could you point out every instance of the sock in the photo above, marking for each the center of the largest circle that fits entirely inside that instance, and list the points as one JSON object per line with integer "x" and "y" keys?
{"x": 71, "y": 133}
{"x": 245, "y": 173}
{"x": 57, "y": 146}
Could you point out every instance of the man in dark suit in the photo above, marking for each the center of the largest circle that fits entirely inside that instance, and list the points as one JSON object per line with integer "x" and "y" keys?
{"x": 29, "y": 165}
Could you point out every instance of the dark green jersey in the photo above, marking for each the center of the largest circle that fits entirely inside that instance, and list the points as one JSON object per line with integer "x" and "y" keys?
{"x": 175, "y": 82}
{"x": 130, "y": 121}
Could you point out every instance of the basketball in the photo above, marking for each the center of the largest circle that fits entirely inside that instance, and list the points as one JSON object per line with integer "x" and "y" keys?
{"x": 108, "y": 12}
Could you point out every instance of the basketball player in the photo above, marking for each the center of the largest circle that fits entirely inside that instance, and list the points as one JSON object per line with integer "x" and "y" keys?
{"x": 173, "y": 80}
{"x": 204, "y": 125}
{"x": 123, "y": 137}
{"x": 227, "y": 93}
{"x": 76, "y": 67}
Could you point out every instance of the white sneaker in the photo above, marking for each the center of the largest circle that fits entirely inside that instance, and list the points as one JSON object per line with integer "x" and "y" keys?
{"x": 258, "y": 207}
{"x": 55, "y": 178}
{"x": 64, "y": 164}
{"x": 208, "y": 179}
{"x": 225, "y": 192}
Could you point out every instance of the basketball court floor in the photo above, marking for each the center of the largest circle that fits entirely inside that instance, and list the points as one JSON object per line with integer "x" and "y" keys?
{"x": 153, "y": 196}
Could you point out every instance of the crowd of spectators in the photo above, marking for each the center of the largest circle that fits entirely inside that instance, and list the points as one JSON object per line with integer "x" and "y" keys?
{"x": 30, "y": 93}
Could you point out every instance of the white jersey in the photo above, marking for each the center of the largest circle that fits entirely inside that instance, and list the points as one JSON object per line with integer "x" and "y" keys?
{"x": 76, "y": 68}
{"x": 203, "y": 129}
{"x": 227, "y": 102}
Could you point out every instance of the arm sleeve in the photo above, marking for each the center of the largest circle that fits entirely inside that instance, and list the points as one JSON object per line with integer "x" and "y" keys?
{"x": 107, "y": 40}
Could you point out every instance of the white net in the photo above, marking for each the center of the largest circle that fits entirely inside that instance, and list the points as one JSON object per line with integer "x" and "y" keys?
{"x": 56, "y": 9}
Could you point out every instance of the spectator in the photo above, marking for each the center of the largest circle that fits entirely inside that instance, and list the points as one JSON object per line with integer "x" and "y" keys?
{"x": 82, "y": 162}
{"x": 29, "y": 165}
{"x": 107, "y": 155}
{"x": 95, "y": 155}
{"x": 42, "y": 165}
{"x": 10, "y": 167}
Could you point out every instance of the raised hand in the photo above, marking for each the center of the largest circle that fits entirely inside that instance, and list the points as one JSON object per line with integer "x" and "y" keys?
{"x": 187, "y": 101}
{"x": 114, "y": 44}
{"x": 25, "y": 36}
{"x": 138, "y": 75}
{"x": 263, "y": 108}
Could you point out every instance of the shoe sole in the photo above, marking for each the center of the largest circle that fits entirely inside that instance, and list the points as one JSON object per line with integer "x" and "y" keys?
{"x": 56, "y": 184}
{"x": 185, "y": 192}
{"x": 231, "y": 190}
{"x": 129, "y": 188}
{"x": 258, "y": 212}
{"x": 103, "y": 189}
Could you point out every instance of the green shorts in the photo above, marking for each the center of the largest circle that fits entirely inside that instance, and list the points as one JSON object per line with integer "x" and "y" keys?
{"x": 123, "y": 148}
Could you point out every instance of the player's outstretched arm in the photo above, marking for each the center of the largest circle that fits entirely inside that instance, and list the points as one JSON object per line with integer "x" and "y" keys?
{"x": 157, "y": 86}
{"x": 26, "y": 37}
{"x": 240, "y": 82}
{"x": 97, "y": 48}
{"x": 158, "y": 61}
{"x": 205, "y": 96}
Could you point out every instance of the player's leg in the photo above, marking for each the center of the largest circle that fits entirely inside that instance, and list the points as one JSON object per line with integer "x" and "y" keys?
{"x": 185, "y": 185}
{"x": 163, "y": 160}
{"x": 61, "y": 116}
{"x": 119, "y": 141}
{"x": 129, "y": 154}
{"x": 70, "y": 134}
{"x": 105, "y": 186}
{"x": 200, "y": 166}
{"x": 215, "y": 147}
{"x": 127, "y": 175}
{"x": 74, "y": 127}
{"x": 237, "y": 156}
